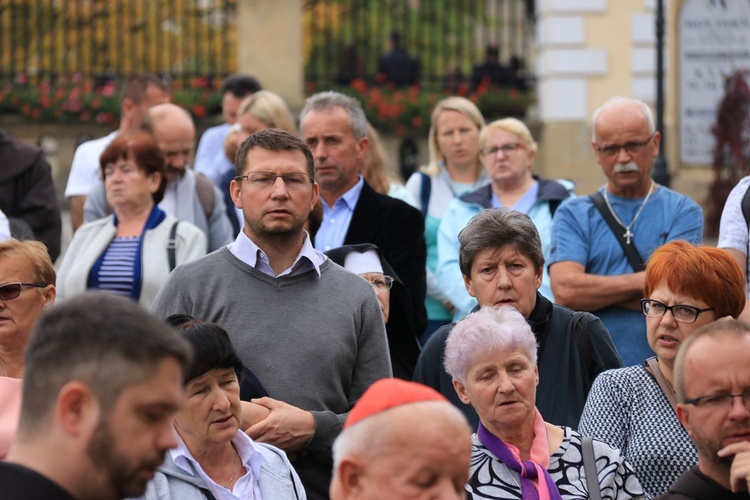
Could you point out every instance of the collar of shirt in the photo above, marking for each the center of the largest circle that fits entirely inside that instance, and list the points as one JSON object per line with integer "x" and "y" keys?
{"x": 336, "y": 219}
{"x": 248, "y": 252}
{"x": 251, "y": 460}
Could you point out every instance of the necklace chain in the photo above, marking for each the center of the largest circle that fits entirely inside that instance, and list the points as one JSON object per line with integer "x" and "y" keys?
{"x": 628, "y": 234}
{"x": 234, "y": 468}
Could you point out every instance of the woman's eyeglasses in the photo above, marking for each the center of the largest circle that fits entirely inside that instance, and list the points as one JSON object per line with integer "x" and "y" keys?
{"x": 382, "y": 282}
{"x": 10, "y": 291}
{"x": 686, "y": 314}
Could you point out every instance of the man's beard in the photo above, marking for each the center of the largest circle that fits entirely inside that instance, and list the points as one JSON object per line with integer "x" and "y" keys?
{"x": 124, "y": 480}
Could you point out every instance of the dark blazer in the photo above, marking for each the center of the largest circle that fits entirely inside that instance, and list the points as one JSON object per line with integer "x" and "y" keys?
{"x": 27, "y": 191}
{"x": 397, "y": 229}
{"x": 402, "y": 339}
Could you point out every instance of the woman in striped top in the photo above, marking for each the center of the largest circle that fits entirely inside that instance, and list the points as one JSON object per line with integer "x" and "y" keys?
{"x": 132, "y": 251}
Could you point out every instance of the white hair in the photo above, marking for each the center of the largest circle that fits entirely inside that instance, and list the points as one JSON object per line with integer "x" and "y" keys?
{"x": 484, "y": 331}
{"x": 622, "y": 100}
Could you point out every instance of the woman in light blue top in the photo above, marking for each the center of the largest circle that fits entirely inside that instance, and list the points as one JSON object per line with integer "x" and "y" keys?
{"x": 454, "y": 169}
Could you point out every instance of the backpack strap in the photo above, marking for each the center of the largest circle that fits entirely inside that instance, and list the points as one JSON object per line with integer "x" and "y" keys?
{"x": 589, "y": 468}
{"x": 172, "y": 246}
{"x": 205, "y": 189}
{"x": 424, "y": 192}
{"x": 746, "y": 207}
{"x": 582, "y": 340}
{"x": 631, "y": 253}
{"x": 653, "y": 368}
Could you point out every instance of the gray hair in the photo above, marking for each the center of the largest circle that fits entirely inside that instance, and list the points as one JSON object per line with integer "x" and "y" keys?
{"x": 105, "y": 341}
{"x": 484, "y": 331}
{"x": 729, "y": 329}
{"x": 328, "y": 100}
{"x": 496, "y": 228}
{"x": 622, "y": 100}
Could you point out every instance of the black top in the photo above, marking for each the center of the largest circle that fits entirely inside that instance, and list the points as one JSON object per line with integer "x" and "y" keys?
{"x": 694, "y": 484}
{"x": 572, "y": 352}
{"x": 19, "y": 483}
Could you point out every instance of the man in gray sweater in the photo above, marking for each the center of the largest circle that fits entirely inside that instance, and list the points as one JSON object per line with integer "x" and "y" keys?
{"x": 311, "y": 331}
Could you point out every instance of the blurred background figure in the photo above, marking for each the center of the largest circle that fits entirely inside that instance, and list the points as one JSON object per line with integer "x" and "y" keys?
{"x": 131, "y": 252}
{"x": 27, "y": 287}
{"x": 490, "y": 72}
{"x": 209, "y": 158}
{"x": 27, "y": 194}
{"x": 366, "y": 260}
{"x": 491, "y": 355}
{"x": 397, "y": 67}
{"x": 375, "y": 171}
{"x": 633, "y": 408}
{"x": 454, "y": 169}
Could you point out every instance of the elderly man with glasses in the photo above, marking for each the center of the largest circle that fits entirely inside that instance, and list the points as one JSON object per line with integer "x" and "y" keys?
{"x": 600, "y": 242}
{"x": 712, "y": 380}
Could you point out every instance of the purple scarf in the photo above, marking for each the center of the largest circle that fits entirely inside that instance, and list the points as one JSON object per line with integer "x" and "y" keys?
{"x": 527, "y": 469}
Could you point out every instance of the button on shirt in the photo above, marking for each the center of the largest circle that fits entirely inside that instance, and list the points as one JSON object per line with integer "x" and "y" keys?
{"x": 336, "y": 219}
{"x": 248, "y": 252}
{"x": 246, "y": 487}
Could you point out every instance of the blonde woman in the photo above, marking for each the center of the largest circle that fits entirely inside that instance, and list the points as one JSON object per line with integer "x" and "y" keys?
{"x": 454, "y": 170}
{"x": 508, "y": 151}
{"x": 375, "y": 172}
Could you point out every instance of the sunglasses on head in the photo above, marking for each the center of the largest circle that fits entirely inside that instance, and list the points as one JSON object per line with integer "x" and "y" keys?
{"x": 10, "y": 291}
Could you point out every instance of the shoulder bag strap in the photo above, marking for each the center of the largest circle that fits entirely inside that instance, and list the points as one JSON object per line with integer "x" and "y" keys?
{"x": 582, "y": 340}
{"x": 424, "y": 192}
{"x": 653, "y": 368}
{"x": 631, "y": 253}
{"x": 171, "y": 246}
{"x": 745, "y": 205}
{"x": 589, "y": 467}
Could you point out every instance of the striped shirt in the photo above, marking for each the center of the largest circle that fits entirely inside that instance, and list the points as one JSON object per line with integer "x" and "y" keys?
{"x": 116, "y": 271}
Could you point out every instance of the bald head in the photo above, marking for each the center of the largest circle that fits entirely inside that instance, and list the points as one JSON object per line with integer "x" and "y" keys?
{"x": 386, "y": 454}
{"x": 173, "y": 129}
{"x": 615, "y": 108}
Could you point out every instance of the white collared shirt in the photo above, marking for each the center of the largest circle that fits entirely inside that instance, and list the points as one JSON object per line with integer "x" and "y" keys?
{"x": 246, "y": 487}
{"x": 248, "y": 252}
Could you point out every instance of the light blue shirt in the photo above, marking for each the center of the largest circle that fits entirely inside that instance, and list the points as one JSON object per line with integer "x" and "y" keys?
{"x": 336, "y": 219}
{"x": 524, "y": 204}
{"x": 210, "y": 159}
{"x": 4, "y": 227}
{"x": 248, "y": 252}
{"x": 246, "y": 486}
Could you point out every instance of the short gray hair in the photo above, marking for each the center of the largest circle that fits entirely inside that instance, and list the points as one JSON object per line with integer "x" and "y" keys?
{"x": 621, "y": 100}
{"x": 496, "y": 228}
{"x": 729, "y": 329}
{"x": 484, "y": 331}
{"x": 328, "y": 100}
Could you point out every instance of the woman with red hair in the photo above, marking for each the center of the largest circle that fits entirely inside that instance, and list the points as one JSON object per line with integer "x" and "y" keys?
{"x": 633, "y": 408}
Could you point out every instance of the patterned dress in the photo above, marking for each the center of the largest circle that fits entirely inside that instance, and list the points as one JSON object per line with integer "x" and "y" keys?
{"x": 490, "y": 478}
{"x": 627, "y": 409}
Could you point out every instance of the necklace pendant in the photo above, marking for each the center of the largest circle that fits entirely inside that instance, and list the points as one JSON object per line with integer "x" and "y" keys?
{"x": 628, "y": 235}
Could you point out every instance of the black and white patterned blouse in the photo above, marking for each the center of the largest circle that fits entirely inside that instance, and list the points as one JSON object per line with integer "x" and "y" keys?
{"x": 627, "y": 409}
{"x": 490, "y": 478}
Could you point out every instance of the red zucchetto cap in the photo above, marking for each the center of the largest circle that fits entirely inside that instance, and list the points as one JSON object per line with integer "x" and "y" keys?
{"x": 388, "y": 393}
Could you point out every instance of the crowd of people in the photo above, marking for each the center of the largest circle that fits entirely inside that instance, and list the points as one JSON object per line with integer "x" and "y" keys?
{"x": 276, "y": 317}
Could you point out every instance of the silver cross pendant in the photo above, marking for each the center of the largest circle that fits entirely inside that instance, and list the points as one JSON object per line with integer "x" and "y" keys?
{"x": 627, "y": 235}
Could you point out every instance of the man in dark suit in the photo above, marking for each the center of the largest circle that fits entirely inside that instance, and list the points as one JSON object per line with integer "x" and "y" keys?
{"x": 335, "y": 128}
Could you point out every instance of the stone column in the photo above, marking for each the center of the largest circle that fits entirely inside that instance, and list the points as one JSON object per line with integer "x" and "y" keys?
{"x": 269, "y": 46}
